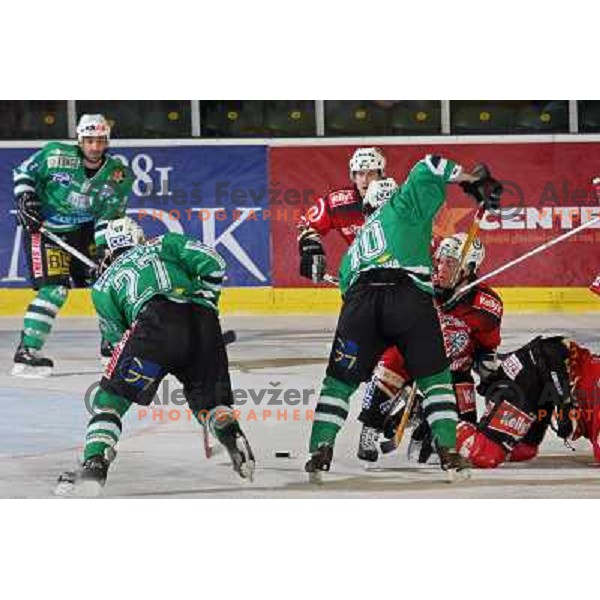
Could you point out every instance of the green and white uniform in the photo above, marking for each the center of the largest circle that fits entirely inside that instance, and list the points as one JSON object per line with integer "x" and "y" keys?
{"x": 175, "y": 266}
{"x": 398, "y": 235}
{"x": 73, "y": 204}
{"x": 69, "y": 198}
{"x": 385, "y": 278}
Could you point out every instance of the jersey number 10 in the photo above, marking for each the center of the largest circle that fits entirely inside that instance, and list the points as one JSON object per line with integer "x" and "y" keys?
{"x": 368, "y": 245}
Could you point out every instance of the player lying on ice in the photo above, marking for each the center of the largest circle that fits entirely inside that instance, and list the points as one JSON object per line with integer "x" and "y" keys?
{"x": 158, "y": 301}
{"x": 385, "y": 279}
{"x": 546, "y": 378}
{"x": 471, "y": 328}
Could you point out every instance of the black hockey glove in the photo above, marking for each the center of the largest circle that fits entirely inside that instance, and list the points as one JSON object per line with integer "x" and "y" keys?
{"x": 485, "y": 364}
{"x": 486, "y": 190}
{"x": 29, "y": 211}
{"x": 567, "y": 421}
{"x": 312, "y": 255}
{"x": 488, "y": 380}
{"x": 106, "y": 348}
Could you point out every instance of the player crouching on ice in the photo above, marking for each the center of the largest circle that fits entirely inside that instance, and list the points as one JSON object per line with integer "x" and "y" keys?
{"x": 158, "y": 301}
{"x": 471, "y": 328}
{"x": 548, "y": 380}
{"x": 386, "y": 283}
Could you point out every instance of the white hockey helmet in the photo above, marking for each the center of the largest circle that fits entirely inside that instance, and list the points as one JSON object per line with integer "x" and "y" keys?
{"x": 93, "y": 126}
{"x": 366, "y": 159}
{"x": 452, "y": 246}
{"x": 122, "y": 234}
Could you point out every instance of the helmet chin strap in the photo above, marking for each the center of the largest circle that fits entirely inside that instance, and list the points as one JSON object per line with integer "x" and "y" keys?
{"x": 91, "y": 164}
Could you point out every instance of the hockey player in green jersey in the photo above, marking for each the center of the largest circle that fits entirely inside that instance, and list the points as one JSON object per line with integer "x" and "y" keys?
{"x": 385, "y": 279}
{"x": 158, "y": 302}
{"x": 72, "y": 190}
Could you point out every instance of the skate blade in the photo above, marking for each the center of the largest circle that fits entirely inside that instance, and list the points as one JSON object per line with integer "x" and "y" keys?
{"x": 454, "y": 476}
{"x": 28, "y": 372}
{"x": 83, "y": 489}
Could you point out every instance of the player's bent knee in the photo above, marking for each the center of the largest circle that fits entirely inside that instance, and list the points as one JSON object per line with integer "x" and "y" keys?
{"x": 55, "y": 294}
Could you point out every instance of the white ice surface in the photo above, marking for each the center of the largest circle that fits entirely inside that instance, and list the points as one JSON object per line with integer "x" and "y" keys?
{"x": 42, "y": 425}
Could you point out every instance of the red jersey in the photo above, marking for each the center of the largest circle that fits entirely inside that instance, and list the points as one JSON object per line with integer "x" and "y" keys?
{"x": 471, "y": 326}
{"x": 584, "y": 370}
{"x": 340, "y": 210}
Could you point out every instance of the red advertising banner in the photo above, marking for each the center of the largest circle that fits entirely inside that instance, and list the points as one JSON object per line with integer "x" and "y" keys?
{"x": 547, "y": 192}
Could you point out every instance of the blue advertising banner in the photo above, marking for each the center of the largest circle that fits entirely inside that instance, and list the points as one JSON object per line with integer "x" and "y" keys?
{"x": 215, "y": 193}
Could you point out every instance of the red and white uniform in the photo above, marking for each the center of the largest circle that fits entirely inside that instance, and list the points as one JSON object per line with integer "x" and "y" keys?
{"x": 340, "y": 210}
{"x": 585, "y": 372}
{"x": 473, "y": 325}
{"x": 583, "y": 377}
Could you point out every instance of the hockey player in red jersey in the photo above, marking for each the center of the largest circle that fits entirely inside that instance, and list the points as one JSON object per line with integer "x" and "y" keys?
{"x": 343, "y": 210}
{"x": 548, "y": 379}
{"x": 471, "y": 328}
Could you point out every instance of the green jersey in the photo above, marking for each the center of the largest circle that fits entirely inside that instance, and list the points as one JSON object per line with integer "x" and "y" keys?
{"x": 69, "y": 198}
{"x": 398, "y": 235}
{"x": 175, "y": 266}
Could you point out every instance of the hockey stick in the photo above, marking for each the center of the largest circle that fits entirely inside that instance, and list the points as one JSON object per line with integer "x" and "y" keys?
{"x": 521, "y": 258}
{"x": 471, "y": 235}
{"x": 68, "y": 248}
{"x": 390, "y": 445}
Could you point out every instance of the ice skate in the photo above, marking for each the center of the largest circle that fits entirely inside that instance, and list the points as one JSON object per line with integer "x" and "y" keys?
{"x": 29, "y": 363}
{"x": 456, "y": 467}
{"x": 319, "y": 461}
{"x": 87, "y": 482}
{"x": 227, "y": 430}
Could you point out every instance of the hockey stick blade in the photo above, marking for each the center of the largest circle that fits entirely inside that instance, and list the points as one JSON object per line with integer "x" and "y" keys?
{"x": 388, "y": 446}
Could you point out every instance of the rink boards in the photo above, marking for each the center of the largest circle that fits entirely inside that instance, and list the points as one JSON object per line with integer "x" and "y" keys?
{"x": 245, "y": 197}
